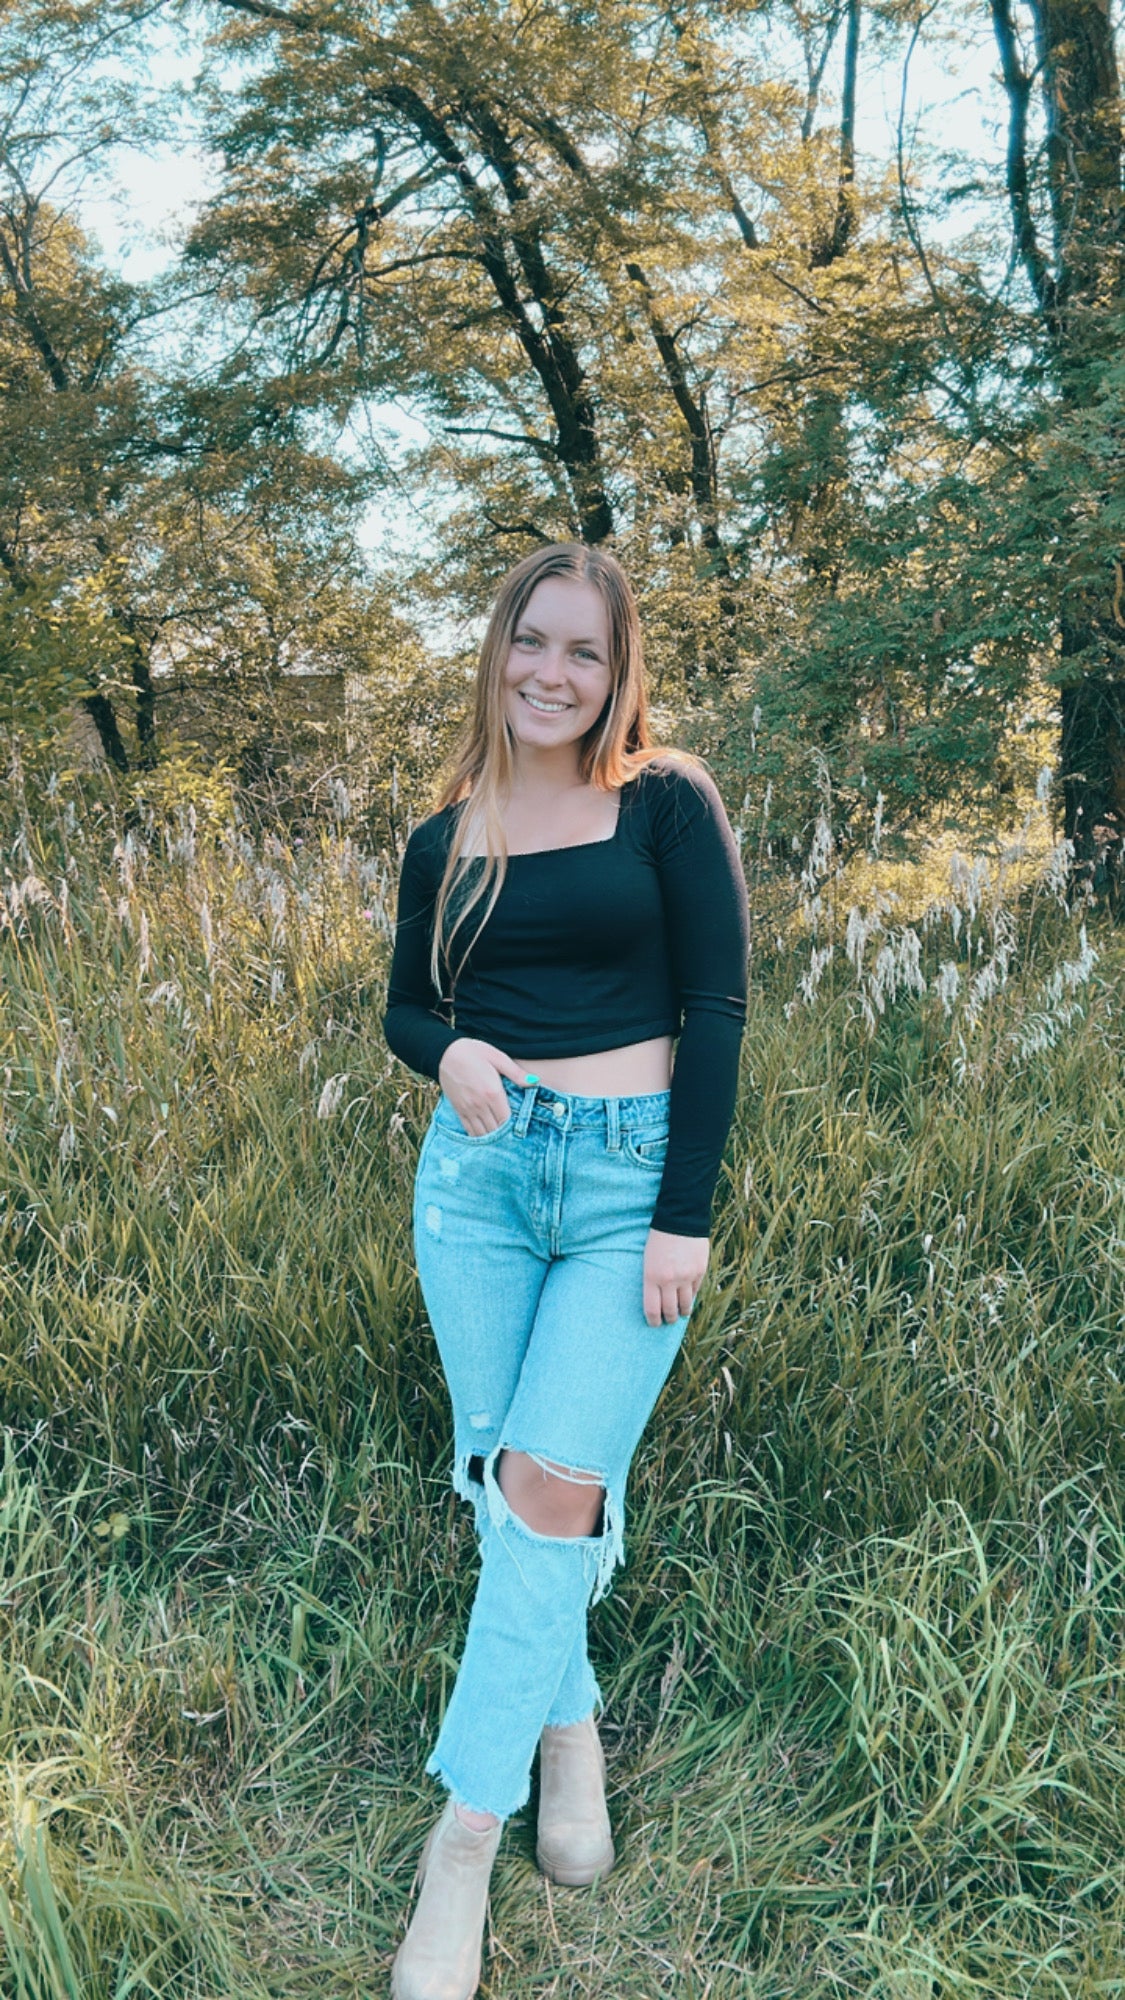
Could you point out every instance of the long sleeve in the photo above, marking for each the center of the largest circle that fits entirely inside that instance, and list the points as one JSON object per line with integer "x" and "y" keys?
{"x": 705, "y": 903}
{"x": 417, "y": 1020}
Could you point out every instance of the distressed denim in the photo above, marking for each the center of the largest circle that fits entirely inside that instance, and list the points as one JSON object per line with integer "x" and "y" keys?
{"x": 530, "y": 1247}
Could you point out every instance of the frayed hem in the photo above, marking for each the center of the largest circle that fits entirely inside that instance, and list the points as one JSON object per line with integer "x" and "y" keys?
{"x": 463, "y": 1485}
{"x": 572, "y": 1721}
{"x": 436, "y": 1770}
{"x": 470, "y": 1489}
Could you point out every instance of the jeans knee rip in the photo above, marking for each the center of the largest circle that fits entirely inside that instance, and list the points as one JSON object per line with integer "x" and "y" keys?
{"x": 600, "y": 1553}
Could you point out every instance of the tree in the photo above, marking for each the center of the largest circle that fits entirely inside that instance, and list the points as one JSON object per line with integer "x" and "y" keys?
{"x": 1078, "y": 287}
{"x": 153, "y": 512}
{"x": 526, "y": 223}
{"x": 72, "y": 405}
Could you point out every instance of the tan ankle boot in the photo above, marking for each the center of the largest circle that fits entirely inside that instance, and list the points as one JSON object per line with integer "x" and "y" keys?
{"x": 575, "y": 1843}
{"x": 439, "y": 1958}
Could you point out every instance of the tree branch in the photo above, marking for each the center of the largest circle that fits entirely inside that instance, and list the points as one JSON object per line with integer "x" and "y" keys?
{"x": 521, "y": 528}
{"x": 25, "y": 310}
{"x": 1017, "y": 87}
{"x": 704, "y": 472}
{"x": 814, "y": 70}
{"x": 549, "y": 349}
{"x": 293, "y": 17}
{"x": 835, "y": 245}
{"x": 539, "y": 445}
{"x": 912, "y": 228}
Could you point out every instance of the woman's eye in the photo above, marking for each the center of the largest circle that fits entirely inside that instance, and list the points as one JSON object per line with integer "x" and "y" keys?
{"x": 525, "y": 639}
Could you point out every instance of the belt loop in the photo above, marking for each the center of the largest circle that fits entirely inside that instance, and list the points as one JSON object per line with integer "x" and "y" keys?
{"x": 523, "y": 1116}
{"x": 612, "y": 1125}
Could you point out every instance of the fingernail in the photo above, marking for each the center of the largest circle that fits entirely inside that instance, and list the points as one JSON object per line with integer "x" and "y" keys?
{"x": 530, "y": 1079}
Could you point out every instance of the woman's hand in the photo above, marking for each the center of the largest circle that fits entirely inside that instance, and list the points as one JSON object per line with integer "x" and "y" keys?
{"x": 469, "y": 1073}
{"x": 674, "y": 1267}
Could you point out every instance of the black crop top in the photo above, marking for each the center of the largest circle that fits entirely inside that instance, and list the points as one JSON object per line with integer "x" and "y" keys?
{"x": 594, "y": 947}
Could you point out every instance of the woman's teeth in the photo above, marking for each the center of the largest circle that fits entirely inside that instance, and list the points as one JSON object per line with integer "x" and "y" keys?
{"x": 548, "y": 707}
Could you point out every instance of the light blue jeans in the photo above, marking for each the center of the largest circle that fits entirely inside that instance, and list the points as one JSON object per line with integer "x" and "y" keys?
{"x": 530, "y": 1246}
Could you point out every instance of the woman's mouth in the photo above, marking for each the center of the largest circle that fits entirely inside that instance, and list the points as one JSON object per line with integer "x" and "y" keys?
{"x": 545, "y": 707}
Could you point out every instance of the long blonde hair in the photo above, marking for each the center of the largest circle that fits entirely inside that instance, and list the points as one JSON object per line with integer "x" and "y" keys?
{"x": 482, "y": 765}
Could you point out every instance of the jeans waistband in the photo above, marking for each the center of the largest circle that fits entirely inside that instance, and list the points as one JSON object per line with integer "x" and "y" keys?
{"x": 540, "y": 1103}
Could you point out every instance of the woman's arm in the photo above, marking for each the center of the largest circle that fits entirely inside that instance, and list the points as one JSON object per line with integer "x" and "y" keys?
{"x": 705, "y": 908}
{"x": 417, "y": 1021}
{"x": 707, "y": 921}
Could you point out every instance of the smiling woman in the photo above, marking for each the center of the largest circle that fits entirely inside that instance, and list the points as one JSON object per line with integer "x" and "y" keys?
{"x": 559, "y": 661}
{"x": 577, "y": 893}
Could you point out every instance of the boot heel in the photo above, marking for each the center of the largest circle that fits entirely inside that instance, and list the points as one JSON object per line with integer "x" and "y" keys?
{"x": 575, "y": 1844}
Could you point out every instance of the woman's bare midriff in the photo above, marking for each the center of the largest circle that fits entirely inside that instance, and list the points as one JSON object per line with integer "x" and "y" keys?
{"x": 632, "y": 1071}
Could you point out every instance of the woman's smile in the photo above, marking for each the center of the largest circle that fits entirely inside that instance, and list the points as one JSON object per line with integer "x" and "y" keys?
{"x": 545, "y": 707}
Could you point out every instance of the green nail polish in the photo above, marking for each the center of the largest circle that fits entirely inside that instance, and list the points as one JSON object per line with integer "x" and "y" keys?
{"x": 530, "y": 1079}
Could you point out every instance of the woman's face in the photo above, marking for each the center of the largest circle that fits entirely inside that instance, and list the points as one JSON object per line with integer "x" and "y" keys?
{"x": 557, "y": 677}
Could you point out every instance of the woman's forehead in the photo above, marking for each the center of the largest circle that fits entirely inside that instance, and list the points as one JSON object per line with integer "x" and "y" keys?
{"x": 567, "y": 601}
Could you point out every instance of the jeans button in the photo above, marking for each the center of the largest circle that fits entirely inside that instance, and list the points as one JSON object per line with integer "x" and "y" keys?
{"x": 560, "y": 1109}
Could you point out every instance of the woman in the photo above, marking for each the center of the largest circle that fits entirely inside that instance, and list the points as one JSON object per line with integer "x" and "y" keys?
{"x": 574, "y": 903}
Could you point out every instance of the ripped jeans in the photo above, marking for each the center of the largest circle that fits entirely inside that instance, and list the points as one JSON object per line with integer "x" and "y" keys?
{"x": 530, "y": 1246}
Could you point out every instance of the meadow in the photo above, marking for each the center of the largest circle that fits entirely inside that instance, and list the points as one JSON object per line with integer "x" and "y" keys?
{"x": 864, "y": 1668}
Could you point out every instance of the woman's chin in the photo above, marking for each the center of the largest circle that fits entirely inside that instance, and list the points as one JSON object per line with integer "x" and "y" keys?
{"x": 545, "y": 735}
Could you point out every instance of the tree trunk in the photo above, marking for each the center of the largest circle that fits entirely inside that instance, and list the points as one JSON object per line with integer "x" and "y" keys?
{"x": 146, "y": 708}
{"x": 100, "y": 708}
{"x": 1093, "y": 772}
{"x": 1079, "y": 288}
{"x": 1078, "y": 65}
{"x": 840, "y": 236}
{"x": 547, "y": 342}
{"x": 1083, "y": 106}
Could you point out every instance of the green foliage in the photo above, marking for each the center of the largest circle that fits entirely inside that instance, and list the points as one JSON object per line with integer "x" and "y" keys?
{"x": 508, "y": 275}
{"x": 863, "y": 1663}
{"x": 160, "y": 519}
{"x": 58, "y": 645}
{"x": 182, "y": 794}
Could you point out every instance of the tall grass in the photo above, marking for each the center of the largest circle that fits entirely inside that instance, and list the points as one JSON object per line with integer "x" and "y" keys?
{"x": 865, "y": 1666}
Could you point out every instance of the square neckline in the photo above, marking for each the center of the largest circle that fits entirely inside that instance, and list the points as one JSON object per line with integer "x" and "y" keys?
{"x": 574, "y": 846}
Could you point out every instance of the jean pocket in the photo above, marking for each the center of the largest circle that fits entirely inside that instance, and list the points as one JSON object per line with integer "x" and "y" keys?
{"x": 447, "y": 1122}
{"x": 645, "y": 1148}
